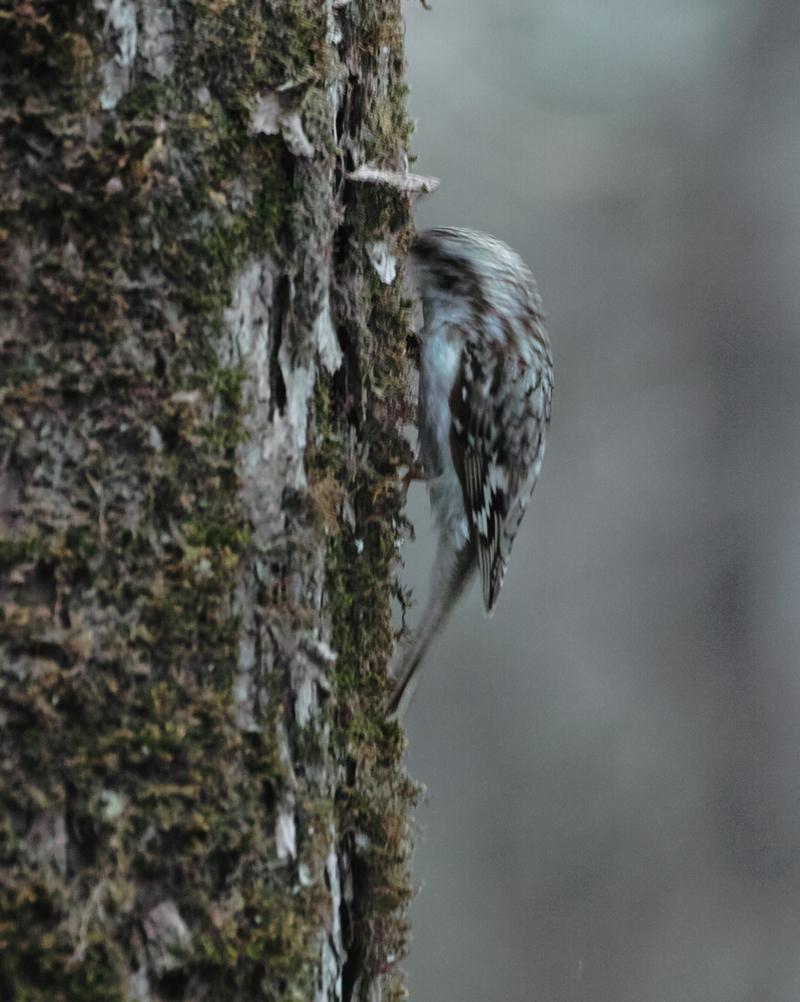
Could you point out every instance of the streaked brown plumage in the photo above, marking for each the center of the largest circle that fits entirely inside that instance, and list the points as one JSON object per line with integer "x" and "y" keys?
{"x": 486, "y": 382}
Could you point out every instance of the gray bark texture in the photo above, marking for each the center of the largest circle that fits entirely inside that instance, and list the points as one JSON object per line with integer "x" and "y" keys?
{"x": 203, "y": 382}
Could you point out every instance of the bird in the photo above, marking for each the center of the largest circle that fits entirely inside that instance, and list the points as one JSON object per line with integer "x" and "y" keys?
{"x": 485, "y": 394}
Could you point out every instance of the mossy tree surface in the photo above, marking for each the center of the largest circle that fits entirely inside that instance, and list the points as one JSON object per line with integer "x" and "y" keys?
{"x": 202, "y": 383}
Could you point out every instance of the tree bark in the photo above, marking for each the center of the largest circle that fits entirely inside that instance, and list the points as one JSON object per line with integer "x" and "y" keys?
{"x": 204, "y": 379}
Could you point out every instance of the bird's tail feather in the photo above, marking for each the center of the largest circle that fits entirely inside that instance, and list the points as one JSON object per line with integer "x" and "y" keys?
{"x": 451, "y": 577}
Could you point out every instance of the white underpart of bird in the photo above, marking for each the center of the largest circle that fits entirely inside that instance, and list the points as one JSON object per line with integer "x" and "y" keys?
{"x": 485, "y": 390}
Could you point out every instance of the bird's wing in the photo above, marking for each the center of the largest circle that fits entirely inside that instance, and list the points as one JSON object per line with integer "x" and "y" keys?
{"x": 487, "y": 478}
{"x": 497, "y": 443}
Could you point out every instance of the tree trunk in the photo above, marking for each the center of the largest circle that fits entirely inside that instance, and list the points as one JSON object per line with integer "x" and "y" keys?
{"x": 203, "y": 384}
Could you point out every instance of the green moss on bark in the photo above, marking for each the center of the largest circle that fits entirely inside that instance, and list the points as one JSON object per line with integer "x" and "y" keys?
{"x": 125, "y": 781}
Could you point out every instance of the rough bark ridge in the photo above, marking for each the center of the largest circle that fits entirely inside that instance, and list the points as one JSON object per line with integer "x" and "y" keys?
{"x": 202, "y": 380}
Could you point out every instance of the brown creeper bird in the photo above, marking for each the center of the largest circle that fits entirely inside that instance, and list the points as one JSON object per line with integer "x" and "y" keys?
{"x": 485, "y": 387}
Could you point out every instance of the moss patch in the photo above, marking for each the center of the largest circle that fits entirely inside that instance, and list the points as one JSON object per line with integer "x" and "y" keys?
{"x": 124, "y": 780}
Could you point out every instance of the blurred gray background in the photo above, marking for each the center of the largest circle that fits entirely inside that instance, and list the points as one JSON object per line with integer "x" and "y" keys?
{"x": 613, "y": 761}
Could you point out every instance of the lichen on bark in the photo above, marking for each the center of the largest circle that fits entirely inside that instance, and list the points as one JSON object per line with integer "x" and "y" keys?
{"x": 202, "y": 386}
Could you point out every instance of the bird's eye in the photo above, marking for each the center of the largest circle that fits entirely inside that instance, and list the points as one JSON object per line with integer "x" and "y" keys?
{"x": 449, "y": 280}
